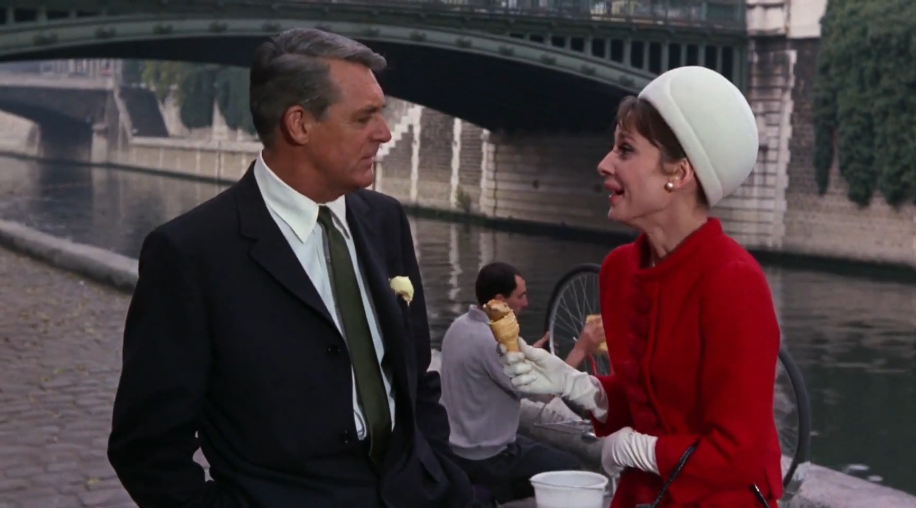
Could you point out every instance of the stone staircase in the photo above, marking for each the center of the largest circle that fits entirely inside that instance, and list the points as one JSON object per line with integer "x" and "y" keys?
{"x": 401, "y": 116}
{"x": 142, "y": 110}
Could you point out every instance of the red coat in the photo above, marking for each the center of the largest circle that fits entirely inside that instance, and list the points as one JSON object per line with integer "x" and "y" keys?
{"x": 693, "y": 343}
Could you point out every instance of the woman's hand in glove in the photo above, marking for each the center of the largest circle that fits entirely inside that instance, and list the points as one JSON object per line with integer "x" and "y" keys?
{"x": 536, "y": 371}
{"x": 628, "y": 448}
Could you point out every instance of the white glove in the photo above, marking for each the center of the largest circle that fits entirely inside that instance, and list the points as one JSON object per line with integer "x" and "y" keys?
{"x": 628, "y": 448}
{"x": 536, "y": 371}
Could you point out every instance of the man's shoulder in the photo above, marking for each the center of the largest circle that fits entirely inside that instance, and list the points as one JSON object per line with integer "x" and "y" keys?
{"x": 205, "y": 223}
{"x": 465, "y": 329}
{"x": 379, "y": 202}
{"x": 459, "y": 325}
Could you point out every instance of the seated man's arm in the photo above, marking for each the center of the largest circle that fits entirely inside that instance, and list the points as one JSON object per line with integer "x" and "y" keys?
{"x": 587, "y": 344}
{"x": 166, "y": 361}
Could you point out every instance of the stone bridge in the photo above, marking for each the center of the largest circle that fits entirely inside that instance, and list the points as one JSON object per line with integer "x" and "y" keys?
{"x": 541, "y": 65}
{"x": 72, "y": 112}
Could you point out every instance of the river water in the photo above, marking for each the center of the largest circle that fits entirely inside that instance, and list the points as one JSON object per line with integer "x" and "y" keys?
{"x": 854, "y": 338}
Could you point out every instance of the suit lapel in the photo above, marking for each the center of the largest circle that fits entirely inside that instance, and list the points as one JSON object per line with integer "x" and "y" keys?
{"x": 270, "y": 248}
{"x": 388, "y": 311}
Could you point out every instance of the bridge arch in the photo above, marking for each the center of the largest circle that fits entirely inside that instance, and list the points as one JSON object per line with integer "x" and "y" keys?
{"x": 495, "y": 81}
{"x": 60, "y": 135}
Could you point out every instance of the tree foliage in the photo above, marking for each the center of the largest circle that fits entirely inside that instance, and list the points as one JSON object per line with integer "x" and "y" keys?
{"x": 196, "y": 88}
{"x": 196, "y": 95}
{"x": 232, "y": 97}
{"x": 864, "y": 108}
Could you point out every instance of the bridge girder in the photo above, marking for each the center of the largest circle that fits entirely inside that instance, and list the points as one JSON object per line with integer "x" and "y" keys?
{"x": 496, "y": 81}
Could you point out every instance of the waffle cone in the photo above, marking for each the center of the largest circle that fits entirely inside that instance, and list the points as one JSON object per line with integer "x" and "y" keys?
{"x": 503, "y": 324}
{"x": 592, "y": 317}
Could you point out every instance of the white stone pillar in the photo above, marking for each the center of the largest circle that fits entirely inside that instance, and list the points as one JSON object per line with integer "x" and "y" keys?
{"x": 484, "y": 203}
{"x": 415, "y": 157}
{"x": 454, "y": 261}
{"x": 456, "y": 164}
{"x": 379, "y": 177}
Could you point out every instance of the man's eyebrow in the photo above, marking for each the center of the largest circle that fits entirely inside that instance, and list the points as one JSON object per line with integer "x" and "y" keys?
{"x": 373, "y": 108}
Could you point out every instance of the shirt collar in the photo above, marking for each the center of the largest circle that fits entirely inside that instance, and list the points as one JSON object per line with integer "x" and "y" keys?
{"x": 299, "y": 212}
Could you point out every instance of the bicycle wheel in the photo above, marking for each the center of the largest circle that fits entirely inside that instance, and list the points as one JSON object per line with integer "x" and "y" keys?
{"x": 792, "y": 413}
{"x": 576, "y": 296}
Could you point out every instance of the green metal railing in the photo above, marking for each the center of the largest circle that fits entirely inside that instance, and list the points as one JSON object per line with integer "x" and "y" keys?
{"x": 724, "y": 13}
{"x": 714, "y": 14}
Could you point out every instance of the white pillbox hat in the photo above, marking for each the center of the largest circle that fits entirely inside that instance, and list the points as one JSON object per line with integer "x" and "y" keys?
{"x": 713, "y": 122}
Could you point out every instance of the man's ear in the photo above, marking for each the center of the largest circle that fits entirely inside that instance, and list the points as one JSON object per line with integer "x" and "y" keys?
{"x": 297, "y": 124}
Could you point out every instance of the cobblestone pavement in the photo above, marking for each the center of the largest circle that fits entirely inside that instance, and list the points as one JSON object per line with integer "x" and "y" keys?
{"x": 60, "y": 357}
{"x": 60, "y": 346}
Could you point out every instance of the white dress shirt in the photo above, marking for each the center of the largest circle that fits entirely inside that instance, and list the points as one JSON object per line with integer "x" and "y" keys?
{"x": 297, "y": 217}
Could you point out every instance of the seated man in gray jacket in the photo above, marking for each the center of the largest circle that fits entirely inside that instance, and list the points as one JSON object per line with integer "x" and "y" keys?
{"x": 483, "y": 407}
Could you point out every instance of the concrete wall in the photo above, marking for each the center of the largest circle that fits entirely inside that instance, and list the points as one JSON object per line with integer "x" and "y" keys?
{"x": 18, "y": 134}
{"x": 223, "y": 160}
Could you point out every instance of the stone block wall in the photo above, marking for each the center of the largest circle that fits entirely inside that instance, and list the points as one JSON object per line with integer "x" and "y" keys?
{"x": 433, "y": 160}
{"x": 437, "y": 140}
{"x": 470, "y": 154}
{"x": 18, "y": 135}
{"x": 549, "y": 179}
{"x": 222, "y": 160}
{"x": 392, "y": 174}
{"x": 831, "y": 225}
{"x": 754, "y": 213}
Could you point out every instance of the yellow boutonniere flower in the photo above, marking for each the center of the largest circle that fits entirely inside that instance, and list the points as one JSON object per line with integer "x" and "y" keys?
{"x": 402, "y": 287}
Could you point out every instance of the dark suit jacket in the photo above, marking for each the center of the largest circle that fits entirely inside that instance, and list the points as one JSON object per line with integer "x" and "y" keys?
{"x": 227, "y": 337}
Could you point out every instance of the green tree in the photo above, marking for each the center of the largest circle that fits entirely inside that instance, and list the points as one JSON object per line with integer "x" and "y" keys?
{"x": 196, "y": 94}
{"x": 162, "y": 77}
{"x": 232, "y": 97}
{"x": 864, "y": 108}
{"x": 196, "y": 87}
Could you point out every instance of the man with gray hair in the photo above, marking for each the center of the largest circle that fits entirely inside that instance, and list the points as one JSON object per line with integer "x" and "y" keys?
{"x": 265, "y": 328}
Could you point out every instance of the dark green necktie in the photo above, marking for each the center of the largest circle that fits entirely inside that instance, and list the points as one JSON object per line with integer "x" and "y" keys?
{"x": 366, "y": 367}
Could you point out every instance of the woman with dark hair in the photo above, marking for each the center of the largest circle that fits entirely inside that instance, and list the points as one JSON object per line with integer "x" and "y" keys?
{"x": 688, "y": 315}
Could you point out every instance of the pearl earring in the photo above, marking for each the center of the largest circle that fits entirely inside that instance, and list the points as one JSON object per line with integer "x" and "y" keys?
{"x": 669, "y": 186}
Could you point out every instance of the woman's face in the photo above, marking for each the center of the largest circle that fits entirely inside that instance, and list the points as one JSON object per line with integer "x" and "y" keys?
{"x": 634, "y": 177}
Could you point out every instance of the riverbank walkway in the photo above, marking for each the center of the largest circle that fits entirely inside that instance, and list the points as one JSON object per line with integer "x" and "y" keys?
{"x": 60, "y": 347}
{"x": 60, "y": 359}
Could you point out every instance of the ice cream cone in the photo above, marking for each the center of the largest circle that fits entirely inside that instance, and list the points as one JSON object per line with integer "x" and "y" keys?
{"x": 593, "y": 317}
{"x": 503, "y": 324}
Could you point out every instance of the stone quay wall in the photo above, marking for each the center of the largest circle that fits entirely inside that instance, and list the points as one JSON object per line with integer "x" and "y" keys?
{"x": 442, "y": 163}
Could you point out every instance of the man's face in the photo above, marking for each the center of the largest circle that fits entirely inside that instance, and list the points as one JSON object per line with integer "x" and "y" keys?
{"x": 518, "y": 300}
{"x": 342, "y": 145}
